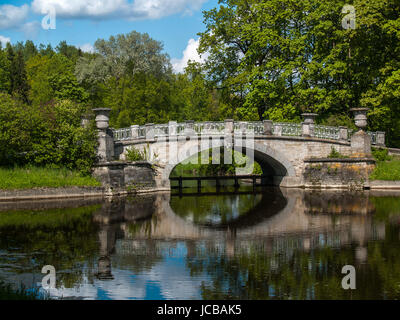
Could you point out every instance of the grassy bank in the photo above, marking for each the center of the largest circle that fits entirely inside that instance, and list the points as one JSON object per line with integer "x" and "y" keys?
{"x": 387, "y": 167}
{"x": 33, "y": 177}
{"x": 387, "y": 170}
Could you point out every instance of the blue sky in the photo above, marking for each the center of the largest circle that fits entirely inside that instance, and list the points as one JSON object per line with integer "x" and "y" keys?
{"x": 81, "y": 22}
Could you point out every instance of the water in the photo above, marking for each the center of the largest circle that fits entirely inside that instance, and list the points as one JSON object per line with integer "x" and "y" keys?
{"x": 273, "y": 244}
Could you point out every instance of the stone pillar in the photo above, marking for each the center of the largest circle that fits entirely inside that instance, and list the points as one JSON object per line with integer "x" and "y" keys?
{"x": 135, "y": 132}
{"x": 229, "y": 126}
{"x": 149, "y": 130}
{"x": 173, "y": 128}
{"x": 380, "y": 138}
{"x": 107, "y": 243}
{"x": 306, "y": 130}
{"x": 105, "y": 150}
{"x": 278, "y": 130}
{"x": 243, "y": 127}
{"x": 268, "y": 127}
{"x": 189, "y": 124}
{"x": 360, "y": 141}
{"x": 343, "y": 134}
{"x": 308, "y": 124}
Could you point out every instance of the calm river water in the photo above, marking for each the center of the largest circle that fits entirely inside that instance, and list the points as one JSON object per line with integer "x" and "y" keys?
{"x": 272, "y": 244}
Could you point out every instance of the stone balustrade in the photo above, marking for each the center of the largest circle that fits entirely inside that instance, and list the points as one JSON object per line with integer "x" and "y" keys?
{"x": 256, "y": 128}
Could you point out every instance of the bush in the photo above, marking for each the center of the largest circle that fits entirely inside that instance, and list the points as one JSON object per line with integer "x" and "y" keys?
{"x": 20, "y": 129}
{"x": 46, "y": 135}
{"x": 336, "y": 154}
{"x": 381, "y": 154}
{"x": 133, "y": 154}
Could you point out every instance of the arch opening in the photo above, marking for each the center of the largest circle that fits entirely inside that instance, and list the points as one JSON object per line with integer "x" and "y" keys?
{"x": 269, "y": 164}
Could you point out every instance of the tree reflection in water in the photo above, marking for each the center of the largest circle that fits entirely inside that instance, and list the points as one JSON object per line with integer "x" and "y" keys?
{"x": 288, "y": 244}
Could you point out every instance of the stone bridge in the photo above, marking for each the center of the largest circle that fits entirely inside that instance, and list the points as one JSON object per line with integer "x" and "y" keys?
{"x": 283, "y": 150}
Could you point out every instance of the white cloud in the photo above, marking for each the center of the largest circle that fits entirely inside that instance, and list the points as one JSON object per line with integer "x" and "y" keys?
{"x": 78, "y": 8}
{"x": 12, "y": 16}
{"x": 96, "y": 9}
{"x": 190, "y": 53}
{"x": 31, "y": 29}
{"x": 4, "y": 40}
{"x": 87, "y": 47}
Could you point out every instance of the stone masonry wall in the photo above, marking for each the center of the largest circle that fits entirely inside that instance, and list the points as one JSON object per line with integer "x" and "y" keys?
{"x": 338, "y": 173}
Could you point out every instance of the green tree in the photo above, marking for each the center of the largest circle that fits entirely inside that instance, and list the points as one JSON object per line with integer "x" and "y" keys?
{"x": 20, "y": 128}
{"x": 18, "y": 84}
{"x": 4, "y": 76}
{"x": 286, "y": 57}
{"x": 118, "y": 59}
{"x": 71, "y": 52}
{"x": 52, "y": 77}
{"x": 64, "y": 143}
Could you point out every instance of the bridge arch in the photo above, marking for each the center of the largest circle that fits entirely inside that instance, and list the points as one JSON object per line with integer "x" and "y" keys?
{"x": 272, "y": 161}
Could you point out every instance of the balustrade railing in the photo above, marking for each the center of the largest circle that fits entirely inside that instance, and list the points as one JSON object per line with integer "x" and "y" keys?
{"x": 373, "y": 136}
{"x": 326, "y": 132}
{"x": 122, "y": 134}
{"x": 287, "y": 129}
{"x": 239, "y": 127}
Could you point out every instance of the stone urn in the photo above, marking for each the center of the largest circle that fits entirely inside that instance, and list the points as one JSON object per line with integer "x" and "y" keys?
{"x": 102, "y": 118}
{"x": 360, "y": 141}
{"x": 360, "y": 117}
{"x": 309, "y": 118}
{"x": 105, "y": 150}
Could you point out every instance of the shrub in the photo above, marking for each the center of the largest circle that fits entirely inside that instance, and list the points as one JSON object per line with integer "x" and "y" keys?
{"x": 381, "y": 154}
{"x": 46, "y": 135}
{"x": 133, "y": 154}
{"x": 336, "y": 154}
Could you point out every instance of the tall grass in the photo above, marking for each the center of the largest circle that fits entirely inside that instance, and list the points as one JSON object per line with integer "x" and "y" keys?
{"x": 36, "y": 177}
{"x": 387, "y": 170}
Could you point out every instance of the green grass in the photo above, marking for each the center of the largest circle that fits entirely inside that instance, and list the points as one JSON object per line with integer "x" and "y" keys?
{"x": 34, "y": 177}
{"x": 387, "y": 170}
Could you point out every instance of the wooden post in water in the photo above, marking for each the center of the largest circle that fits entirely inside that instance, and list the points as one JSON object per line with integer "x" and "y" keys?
{"x": 217, "y": 184}
{"x": 199, "y": 185}
{"x": 180, "y": 184}
{"x": 254, "y": 183}
{"x": 237, "y": 185}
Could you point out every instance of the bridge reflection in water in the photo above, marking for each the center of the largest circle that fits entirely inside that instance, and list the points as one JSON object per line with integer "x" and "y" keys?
{"x": 275, "y": 244}
{"x": 274, "y": 225}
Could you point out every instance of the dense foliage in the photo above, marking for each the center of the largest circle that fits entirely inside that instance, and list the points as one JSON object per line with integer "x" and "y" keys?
{"x": 279, "y": 58}
{"x": 265, "y": 60}
{"x": 44, "y": 93}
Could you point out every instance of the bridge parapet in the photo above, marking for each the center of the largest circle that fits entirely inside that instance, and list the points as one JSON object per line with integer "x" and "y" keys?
{"x": 256, "y": 128}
